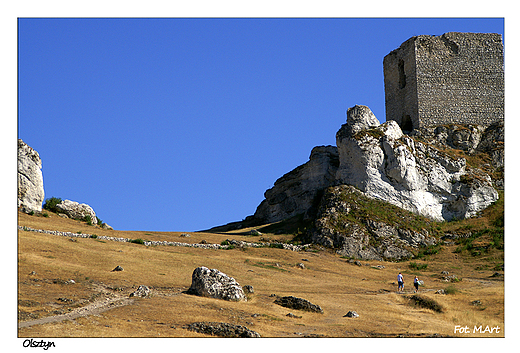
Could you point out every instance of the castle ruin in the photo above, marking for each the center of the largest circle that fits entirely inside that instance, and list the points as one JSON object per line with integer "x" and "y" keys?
{"x": 455, "y": 78}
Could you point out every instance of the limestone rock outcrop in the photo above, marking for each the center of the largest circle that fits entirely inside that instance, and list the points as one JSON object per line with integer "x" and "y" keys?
{"x": 215, "y": 284}
{"x": 30, "y": 179}
{"x": 386, "y": 164}
{"x": 76, "y": 210}
{"x": 299, "y": 190}
{"x": 422, "y": 173}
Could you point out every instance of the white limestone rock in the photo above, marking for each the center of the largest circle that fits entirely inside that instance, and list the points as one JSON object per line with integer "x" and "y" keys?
{"x": 390, "y": 166}
{"x": 215, "y": 284}
{"x": 76, "y": 210}
{"x": 30, "y": 179}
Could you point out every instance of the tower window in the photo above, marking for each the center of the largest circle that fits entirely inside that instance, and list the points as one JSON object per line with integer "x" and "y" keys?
{"x": 402, "y": 76}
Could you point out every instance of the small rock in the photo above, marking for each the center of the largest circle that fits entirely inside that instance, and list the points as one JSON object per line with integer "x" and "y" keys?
{"x": 476, "y": 302}
{"x": 185, "y": 235}
{"x": 118, "y": 268}
{"x": 351, "y": 313}
{"x": 440, "y": 291}
{"x": 142, "y": 291}
{"x": 248, "y": 289}
{"x": 65, "y": 300}
{"x": 294, "y": 316}
{"x": 451, "y": 278}
{"x": 301, "y": 265}
{"x": 445, "y": 273}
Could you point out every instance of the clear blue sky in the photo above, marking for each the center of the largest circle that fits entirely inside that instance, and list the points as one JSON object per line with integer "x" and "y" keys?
{"x": 182, "y": 124}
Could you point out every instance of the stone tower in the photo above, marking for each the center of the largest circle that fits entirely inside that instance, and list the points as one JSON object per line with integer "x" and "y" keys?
{"x": 455, "y": 78}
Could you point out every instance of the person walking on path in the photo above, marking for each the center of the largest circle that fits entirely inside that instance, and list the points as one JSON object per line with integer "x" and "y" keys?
{"x": 400, "y": 282}
{"x": 416, "y": 284}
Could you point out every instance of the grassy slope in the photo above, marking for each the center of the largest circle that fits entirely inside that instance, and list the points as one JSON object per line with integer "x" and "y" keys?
{"x": 328, "y": 280}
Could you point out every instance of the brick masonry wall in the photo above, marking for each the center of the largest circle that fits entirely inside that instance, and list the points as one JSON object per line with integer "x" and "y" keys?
{"x": 452, "y": 78}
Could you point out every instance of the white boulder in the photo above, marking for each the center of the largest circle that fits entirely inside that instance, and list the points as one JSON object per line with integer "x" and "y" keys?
{"x": 76, "y": 210}
{"x": 215, "y": 284}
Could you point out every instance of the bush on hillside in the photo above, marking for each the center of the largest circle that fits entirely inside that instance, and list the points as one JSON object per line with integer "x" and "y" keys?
{"x": 50, "y": 203}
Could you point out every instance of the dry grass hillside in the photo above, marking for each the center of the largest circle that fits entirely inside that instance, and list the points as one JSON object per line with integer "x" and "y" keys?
{"x": 96, "y": 302}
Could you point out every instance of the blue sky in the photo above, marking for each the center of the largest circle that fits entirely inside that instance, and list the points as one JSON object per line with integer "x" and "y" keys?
{"x": 182, "y": 124}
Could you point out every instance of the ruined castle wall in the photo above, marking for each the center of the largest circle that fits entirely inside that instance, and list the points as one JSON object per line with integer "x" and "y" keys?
{"x": 401, "y": 85}
{"x": 459, "y": 78}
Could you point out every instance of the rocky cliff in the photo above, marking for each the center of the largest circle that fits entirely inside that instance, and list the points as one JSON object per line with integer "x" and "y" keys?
{"x": 415, "y": 174}
{"x": 426, "y": 173}
{"x": 30, "y": 179}
{"x": 299, "y": 190}
{"x": 386, "y": 164}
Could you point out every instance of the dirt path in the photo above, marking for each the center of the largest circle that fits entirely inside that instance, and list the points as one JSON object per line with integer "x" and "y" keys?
{"x": 94, "y": 308}
{"x": 113, "y": 300}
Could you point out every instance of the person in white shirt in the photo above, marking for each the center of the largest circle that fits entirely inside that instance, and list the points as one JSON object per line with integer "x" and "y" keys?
{"x": 400, "y": 282}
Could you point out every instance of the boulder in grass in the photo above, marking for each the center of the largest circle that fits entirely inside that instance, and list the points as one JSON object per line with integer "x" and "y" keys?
{"x": 351, "y": 313}
{"x": 215, "y": 284}
{"x": 222, "y": 329}
{"x": 298, "y": 304}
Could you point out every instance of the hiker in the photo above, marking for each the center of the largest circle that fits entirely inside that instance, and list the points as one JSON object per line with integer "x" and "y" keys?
{"x": 400, "y": 282}
{"x": 416, "y": 284}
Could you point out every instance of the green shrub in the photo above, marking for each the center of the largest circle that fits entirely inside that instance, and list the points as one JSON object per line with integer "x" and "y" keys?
{"x": 416, "y": 266}
{"x": 137, "y": 241}
{"x": 450, "y": 290}
{"x": 88, "y": 219}
{"x": 276, "y": 245}
{"x": 50, "y": 203}
{"x": 427, "y": 303}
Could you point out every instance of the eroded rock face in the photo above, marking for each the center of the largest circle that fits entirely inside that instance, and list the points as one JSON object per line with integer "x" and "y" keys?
{"x": 215, "y": 284}
{"x": 30, "y": 179}
{"x": 339, "y": 225}
{"x": 297, "y": 191}
{"x": 386, "y": 164}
